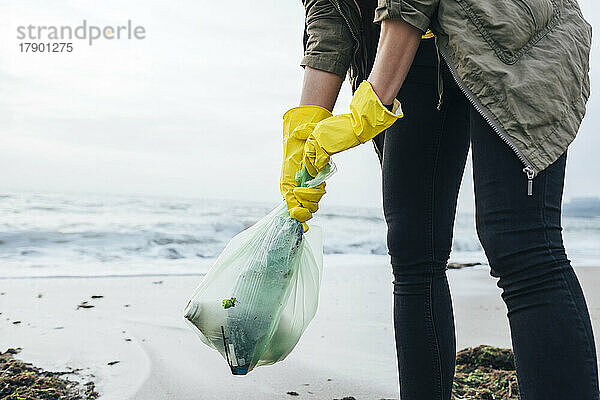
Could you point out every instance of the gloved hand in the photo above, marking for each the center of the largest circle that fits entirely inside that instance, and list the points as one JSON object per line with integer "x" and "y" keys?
{"x": 367, "y": 118}
{"x": 298, "y": 123}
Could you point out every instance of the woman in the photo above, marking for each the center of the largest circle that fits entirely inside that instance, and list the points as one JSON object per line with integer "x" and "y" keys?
{"x": 508, "y": 77}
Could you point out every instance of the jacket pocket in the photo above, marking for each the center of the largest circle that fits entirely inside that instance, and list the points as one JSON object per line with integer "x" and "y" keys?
{"x": 511, "y": 27}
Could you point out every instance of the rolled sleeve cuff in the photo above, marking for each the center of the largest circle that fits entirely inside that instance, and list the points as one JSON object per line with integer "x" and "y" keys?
{"x": 401, "y": 10}
{"x": 327, "y": 62}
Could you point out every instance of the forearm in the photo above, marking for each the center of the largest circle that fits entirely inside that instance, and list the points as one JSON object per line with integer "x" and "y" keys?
{"x": 396, "y": 50}
{"x": 320, "y": 88}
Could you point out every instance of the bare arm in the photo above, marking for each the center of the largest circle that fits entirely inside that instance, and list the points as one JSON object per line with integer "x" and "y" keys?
{"x": 320, "y": 88}
{"x": 396, "y": 50}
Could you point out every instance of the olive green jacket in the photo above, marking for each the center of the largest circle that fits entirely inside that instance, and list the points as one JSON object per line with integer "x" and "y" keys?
{"x": 523, "y": 64}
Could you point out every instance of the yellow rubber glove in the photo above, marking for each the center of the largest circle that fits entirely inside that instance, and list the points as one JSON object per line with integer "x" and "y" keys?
{"x": 298, "y": 124}
{"x": 367, "y": 118}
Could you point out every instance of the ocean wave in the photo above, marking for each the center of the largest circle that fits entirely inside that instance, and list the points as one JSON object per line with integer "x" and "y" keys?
{"x": 60, "y": 229}
{"x": 201, "y": 241}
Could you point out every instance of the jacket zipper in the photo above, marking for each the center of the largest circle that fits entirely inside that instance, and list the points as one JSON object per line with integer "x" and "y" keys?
{"x": 358, "y": 8}
{"x": 529, "y": 171}
{"x": 356, "y": 39}
{"x": 440, "y": 83}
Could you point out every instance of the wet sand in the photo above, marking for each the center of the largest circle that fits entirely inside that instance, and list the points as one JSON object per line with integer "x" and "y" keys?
{"x": 348, "y": 350}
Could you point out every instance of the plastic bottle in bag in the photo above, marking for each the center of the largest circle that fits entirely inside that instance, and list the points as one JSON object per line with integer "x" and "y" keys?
{"x": 263, "y": 290}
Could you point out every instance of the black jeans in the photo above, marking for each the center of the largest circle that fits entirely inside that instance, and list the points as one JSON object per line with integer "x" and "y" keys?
{"x": 423, "y": 157}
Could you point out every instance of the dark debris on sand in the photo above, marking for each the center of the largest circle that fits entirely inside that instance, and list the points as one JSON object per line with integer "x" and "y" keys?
{"x": 485, "y": 373}
{"x": 84, "y": 304}
{"x": 23, "y": 381}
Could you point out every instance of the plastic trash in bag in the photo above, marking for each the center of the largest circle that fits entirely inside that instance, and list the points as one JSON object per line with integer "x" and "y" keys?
{"x": 262, "y": 292}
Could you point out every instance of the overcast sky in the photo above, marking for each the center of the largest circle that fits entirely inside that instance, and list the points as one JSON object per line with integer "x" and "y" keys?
{"x": 193, "y": 110}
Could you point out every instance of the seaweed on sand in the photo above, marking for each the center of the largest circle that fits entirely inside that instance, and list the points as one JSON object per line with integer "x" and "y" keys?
{"x": 486, "y": 373}
{"x": 23, "y": 381}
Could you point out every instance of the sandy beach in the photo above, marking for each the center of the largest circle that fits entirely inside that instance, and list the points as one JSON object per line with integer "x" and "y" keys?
{"x": 348, "y": 350}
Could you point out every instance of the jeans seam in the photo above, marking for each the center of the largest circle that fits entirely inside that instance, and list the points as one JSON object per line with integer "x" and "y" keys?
{"x": 578, "y": 315}
{"x": 543, "y": 215}
{"x": 590, "y": 345}
{"x": 437, "y": 368}
{"x": 434, "y": 340}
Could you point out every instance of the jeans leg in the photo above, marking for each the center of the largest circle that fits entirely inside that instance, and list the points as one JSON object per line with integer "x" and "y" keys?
{"x": 550, "y": 326}
{"x": 423, "y": 161}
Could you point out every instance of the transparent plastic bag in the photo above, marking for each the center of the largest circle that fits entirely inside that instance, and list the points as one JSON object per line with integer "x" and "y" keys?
{"x": 263, "y": 290}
